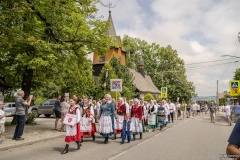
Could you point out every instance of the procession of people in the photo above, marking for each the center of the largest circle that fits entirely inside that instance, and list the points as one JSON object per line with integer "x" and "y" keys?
{"x": 118, "y": 118}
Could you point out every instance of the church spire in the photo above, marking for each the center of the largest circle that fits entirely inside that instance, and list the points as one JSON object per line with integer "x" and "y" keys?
{"x": 111, "y": 28}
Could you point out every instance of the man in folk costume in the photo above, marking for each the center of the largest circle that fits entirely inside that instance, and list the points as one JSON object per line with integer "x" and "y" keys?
{"x": 161, "y": 113}
{"x": 152, "y": 112}
{"x": 120, "y": 114}
{"x": 172, "y": 110}
{"x": 136, "y": 118}
{"x": 106, "y": 121}
{"x": 72, "y": 131}
{"x": 88, "y": 127}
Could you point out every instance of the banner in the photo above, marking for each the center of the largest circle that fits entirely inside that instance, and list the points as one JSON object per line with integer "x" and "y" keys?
{"x": 70, "y": 119}
{"x": 116, "y": 85}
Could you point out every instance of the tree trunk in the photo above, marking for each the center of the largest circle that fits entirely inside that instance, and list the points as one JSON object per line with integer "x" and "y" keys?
{"x": 26, "y": 87}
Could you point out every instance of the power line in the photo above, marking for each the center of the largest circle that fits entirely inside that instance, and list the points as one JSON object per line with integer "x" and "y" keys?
{"x": 211, "y": 61}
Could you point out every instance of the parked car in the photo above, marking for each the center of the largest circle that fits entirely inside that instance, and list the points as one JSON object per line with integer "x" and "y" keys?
{"x": 9, "y": 107}
{"x": 46, "y": 108}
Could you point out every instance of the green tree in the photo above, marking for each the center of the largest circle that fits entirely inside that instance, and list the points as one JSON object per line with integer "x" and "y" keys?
{"x": 106, "y": 74}
{"x": 47, "y": 42}
{"x": 163, "y": 65}
{"x": 123, "y": 73}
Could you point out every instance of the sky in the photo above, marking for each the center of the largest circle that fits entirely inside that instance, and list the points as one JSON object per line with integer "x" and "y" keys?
{"x": 200, "y": 31}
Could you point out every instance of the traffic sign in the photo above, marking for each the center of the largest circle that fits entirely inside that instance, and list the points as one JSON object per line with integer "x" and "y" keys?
{"x": 164, "y": 92}
{"x": 234, "y": 87}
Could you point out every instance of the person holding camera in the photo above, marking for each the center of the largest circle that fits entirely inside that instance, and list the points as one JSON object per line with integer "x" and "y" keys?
{"x": 21, "y": 106}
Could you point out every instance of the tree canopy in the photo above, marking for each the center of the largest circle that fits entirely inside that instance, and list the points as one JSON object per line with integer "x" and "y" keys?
{"x": 47, "y": 42}
{"x": 162, "y": 64}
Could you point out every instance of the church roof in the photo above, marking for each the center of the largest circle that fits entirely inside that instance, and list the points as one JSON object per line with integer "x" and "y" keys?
{"x": 111, "y": 28}
{"x": 144, "y": 84}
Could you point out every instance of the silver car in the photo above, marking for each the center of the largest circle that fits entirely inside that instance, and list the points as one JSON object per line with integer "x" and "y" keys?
{"x": 46, "y": 108}
{"x": 9, "y": 107}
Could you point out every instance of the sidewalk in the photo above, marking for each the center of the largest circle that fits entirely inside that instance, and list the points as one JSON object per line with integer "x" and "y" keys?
{"x": 43, "y": 131}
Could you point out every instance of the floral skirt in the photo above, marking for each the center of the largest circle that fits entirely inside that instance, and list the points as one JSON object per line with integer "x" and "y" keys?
{"x": 106, "y": 126}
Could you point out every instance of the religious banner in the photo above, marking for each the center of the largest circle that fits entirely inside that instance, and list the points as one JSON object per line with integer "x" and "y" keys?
{"x": 116, "y": 85}
{"x": 70, "y": 119}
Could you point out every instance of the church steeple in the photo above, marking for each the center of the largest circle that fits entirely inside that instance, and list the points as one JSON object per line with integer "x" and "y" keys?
{"x": 111, "y": 28}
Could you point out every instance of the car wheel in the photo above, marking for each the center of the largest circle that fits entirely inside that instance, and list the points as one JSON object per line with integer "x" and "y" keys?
{"x": 35, "y": 112}
{"x": 47, "y": 115}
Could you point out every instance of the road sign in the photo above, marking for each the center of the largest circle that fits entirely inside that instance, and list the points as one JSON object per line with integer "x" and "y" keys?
{"x": 164, "y": 92}
{"x": 234, "y": 87}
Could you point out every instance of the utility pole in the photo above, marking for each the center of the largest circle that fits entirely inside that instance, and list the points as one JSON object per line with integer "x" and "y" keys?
{"x": 217, "y": 100}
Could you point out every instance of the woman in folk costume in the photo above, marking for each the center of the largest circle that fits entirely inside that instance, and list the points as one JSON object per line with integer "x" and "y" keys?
{"x": 73, "y": 131}
{"x": 88, "y": 127}
{"x": 120, "y": 113}
{"x": 152, "y": 118}
{"x": 136, "y": 118}
{"x": 144, "y": 111}
{"x": 161, "y": 113}
{"x": 106, "y": 122}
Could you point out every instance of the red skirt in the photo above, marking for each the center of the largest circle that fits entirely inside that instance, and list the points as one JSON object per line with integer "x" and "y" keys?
{"x": 90, "y": 133}
{"x": 118, "y": 131}
{"x": 76, "y": 137}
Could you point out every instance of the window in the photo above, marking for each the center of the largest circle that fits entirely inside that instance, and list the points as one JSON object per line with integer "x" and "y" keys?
{"x": 46, "y": 103}
{"x": 13, "y": 105}
{"x": 102, "y": 58}
{"x": 52, "y": 102}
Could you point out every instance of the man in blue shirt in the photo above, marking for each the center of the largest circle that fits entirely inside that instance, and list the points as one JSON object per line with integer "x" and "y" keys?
{"x": 236, "y": 110}
{"x": 234, "y": 141}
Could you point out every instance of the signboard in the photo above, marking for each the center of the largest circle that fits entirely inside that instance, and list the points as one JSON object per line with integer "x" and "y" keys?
{"x": 66, "y": 94}
{"x": 164, "y": 92}
{"x": 116, "y": 85}
{"x": 234, "y": 87}
{"x": 70, "y": 119}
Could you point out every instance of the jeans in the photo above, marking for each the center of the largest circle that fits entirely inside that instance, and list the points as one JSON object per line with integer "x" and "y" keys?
{"x": 126, "y": 131}
{"x": 20, "y": 126}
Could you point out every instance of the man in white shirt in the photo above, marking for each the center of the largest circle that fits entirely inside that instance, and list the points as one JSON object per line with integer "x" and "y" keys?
{"x": 172, "y": 110}
{"x": 228, "y": 114}
{"x": 194, "y": 108}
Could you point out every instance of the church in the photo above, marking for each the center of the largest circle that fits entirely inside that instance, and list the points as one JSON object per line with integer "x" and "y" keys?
{"x": 142, "y": 82}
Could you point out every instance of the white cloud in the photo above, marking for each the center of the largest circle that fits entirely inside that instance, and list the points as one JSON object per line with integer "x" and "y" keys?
{"x": 199, "y": 30}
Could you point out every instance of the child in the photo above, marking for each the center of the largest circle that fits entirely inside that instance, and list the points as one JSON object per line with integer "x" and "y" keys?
{"x": 2, "y": 121}
{"x": 126, "y": 131}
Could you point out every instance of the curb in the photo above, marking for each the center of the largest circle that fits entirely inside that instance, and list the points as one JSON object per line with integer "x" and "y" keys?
{"x": 30, "y": 143}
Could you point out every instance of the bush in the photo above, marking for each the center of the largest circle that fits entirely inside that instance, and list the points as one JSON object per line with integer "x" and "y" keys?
{"x": 148, "y": 97}
{"x": 39, "y": 100}
{"x": 31, "y": 119}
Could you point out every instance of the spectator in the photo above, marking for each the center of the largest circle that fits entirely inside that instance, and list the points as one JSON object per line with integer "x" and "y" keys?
{"x": 64, "y": 109}
{"x": 236, "y": 110}
{"x": 57, "y": 109}
{"x": 20, "y": 114}
{"x": 234, "y": 141}
{"x": 228, "y": 114}
{"x": 2, "y": 121}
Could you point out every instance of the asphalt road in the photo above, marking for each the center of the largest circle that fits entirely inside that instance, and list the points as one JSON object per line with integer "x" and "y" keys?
{"x": 191, "y": 139}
